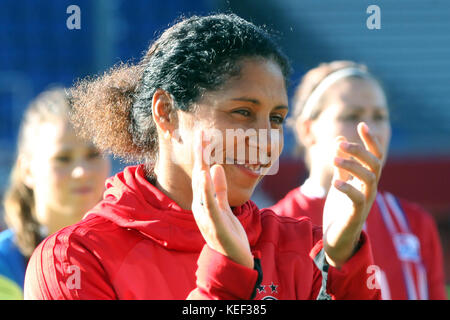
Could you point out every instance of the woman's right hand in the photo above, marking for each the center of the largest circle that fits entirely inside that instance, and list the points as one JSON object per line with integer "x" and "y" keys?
{"x": 218, "y": 225}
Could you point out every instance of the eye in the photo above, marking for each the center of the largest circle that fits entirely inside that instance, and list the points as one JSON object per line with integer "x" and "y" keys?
{"x": 350, "y": 117}
{"x": 63, "y": 158}
{"x": 278, "y": 119}
{"x": 242, "y": 112}
{"x": 380, "y": 117}
{"x": 93, "y": 154}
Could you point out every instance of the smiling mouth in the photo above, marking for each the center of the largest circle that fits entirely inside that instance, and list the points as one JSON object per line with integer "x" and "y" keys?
{"x": 257, "y": 168}
{"x": 82, "y": 190}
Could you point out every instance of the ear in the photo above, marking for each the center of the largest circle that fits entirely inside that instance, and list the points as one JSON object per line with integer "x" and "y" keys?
{"x": 162, "y": 113}
{"x": 305, "y": 132}
{"x": 24, "y": 167}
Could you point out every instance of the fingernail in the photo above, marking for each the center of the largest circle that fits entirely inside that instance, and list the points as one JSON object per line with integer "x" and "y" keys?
{"x": 206, "y": 138}
{"x": 344, "y": 145}
{"x": 339, "y": 183}
{"x": 366, "y": 127}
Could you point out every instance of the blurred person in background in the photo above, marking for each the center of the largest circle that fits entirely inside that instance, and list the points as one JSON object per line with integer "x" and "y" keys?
{"x": 329, "y": 103}
{"x": 56, "y": 179}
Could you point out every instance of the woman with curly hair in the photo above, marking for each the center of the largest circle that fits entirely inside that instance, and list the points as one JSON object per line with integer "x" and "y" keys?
{"x": 181, "y": 224}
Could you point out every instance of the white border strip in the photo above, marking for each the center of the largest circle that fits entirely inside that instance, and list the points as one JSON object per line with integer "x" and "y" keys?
{"x": 407, "y": 272}
{"x": 398, "y": 212}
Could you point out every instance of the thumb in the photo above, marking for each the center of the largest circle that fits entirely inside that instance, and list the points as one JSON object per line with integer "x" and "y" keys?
{"x": 220, "y": 185}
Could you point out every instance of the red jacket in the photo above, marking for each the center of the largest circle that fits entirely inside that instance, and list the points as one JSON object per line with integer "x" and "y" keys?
{"x": 139, "y": 244}
{"x": 405, "y": 243}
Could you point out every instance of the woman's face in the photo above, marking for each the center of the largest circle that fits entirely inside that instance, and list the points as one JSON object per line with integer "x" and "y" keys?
{"x": 347, "y": 103}
{"x": 239, "y": 118}
{"x": 66, "y": 174}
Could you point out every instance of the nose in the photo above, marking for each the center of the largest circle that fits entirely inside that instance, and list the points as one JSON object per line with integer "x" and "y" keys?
{"x": 80, "y": 170}
{"x": 265, "y": 142}
{"x": 374, "y": 127}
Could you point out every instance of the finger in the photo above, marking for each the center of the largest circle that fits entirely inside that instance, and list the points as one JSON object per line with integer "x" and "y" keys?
{"x": 356, "y": 169}
{"x": 370, "y": 141}
{"x": 199, "y": 159}
{"x": 207, "y": 194}
{"x": 199, "y": 156}
{"x": 217, "y": 225}
{"x": 339, "y": 173}
{"x": 197, "y": 167}
{"x": 364, "y": 156}
{"x": 354, "y": 194}
{"x": 201, "y": 180}
{"x": 205, "y": 210}
{"x": 220, "y": 186}
{"x": 205, "y": 214}
{"x": 197, "y": 191}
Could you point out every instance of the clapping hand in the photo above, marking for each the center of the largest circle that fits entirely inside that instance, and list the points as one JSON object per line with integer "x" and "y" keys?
{"x": 352, "y": 193}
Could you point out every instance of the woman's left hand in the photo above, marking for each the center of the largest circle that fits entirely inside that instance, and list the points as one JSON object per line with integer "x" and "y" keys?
{"x": 352, "y": 193}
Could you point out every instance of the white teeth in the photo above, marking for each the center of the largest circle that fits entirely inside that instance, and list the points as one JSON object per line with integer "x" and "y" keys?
{"x": 255, "y": 168}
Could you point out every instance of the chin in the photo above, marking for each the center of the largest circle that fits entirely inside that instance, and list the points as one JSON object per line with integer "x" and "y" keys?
{"x": 237, "y": 196}
{"x": 78, "y": 210}
{"x": 240, "y": 186}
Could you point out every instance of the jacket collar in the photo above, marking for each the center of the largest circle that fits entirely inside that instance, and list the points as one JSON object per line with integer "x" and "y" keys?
{"x": 130, "y": 201}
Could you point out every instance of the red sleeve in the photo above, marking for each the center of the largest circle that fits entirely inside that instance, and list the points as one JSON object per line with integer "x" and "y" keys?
{"x": 220, "y": 278}
{"x": 351, "y": 281}
{"x": 61, "y": 268}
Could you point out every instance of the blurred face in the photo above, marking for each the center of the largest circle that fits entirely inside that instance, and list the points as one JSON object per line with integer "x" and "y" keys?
{"x": 66, "y": 174}
{"x": 239, "y": 118}
{"x": 346, "y": 103}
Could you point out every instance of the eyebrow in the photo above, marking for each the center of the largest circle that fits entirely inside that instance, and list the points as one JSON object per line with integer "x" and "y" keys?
{"x": 359, "y": 108}
{"x": 70, "y": 149}
{"x": 255, "y": 101}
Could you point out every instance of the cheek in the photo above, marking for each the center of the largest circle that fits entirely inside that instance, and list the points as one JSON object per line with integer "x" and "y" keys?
{"x": 323, "y": 151}
{"x": 102, "y": 169}
{"x": 348, "y": 130}
{"x": 385, "y": 138}
{"x": 325, "y": 136}
{"x": 50, "y": 185}
{"x": 279, "y": 145}
{"x": 53, "y": 176}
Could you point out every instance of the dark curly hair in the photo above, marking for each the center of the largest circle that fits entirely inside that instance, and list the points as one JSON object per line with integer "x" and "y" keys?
{"x": 193, "y": 56}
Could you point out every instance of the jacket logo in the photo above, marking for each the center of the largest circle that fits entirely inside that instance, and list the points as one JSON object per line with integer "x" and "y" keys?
{"x": 261, "y": 288}
{"x": 268, "y": 289}
{"x": 269, "y": 298}
{"x": 273, "y": 287}
{"x": 408, "y": 247}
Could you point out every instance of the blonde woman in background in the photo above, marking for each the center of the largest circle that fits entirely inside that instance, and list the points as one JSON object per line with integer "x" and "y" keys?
{"x": 329, "y": 103}
{"x": 56, "y": 179}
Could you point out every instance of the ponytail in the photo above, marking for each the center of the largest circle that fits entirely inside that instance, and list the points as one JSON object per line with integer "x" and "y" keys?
{"x": 19, "y": 213}
{"x": 102, "y": 113}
